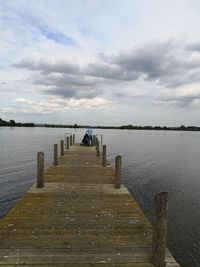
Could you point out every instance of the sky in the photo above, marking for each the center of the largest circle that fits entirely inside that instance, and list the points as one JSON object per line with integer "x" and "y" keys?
{"x": 100, "y": 62}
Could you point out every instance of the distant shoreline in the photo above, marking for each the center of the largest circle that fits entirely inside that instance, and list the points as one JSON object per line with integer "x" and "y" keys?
{"x": 126, "y": 127}
{"x": 12, "y": 123}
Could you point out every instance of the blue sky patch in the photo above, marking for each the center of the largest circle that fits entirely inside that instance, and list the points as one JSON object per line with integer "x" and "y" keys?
{"x": 58, "y": 37}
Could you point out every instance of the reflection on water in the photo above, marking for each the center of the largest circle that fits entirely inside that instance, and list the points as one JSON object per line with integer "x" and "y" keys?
{"x": 153, "y": 161}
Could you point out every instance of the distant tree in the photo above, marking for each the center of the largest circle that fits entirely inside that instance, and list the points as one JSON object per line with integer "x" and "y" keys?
{"x": 3, "y": 123}
{"x": 29, "y": 124}
{"x": 157, "y": 127}
{"x": 12, "y": 122}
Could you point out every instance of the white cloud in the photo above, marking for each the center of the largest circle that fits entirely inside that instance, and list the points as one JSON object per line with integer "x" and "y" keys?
{"x": 55, "y": 104}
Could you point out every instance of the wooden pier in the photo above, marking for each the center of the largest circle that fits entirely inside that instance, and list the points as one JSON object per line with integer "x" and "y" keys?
{"x": 78, "y": 219}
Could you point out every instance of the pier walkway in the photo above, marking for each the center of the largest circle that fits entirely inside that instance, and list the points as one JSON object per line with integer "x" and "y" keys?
{"x": 77, "y": 219}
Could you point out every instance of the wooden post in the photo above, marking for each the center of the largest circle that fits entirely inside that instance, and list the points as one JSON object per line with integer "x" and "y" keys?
{"x": 70, "y": 140}
{"x": 73, "y": 138}
{"x": 96, "y": 143}
{"x": 67, "y": 142}
{"x": 40, "y": 169}
{"x": 160, "y": 229}
{"x": 101, "y": 139}
{"x": 62, "y": 148}
{"x": 104, "y": 156}
{"x": 97, "y": 147}
{"x": 94, "y": 140}
{"x": 118, "y": 167}
{"x": 55, "y": 154}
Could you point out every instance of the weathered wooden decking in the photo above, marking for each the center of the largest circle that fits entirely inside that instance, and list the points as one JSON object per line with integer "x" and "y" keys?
{"x": 77, "y": 219}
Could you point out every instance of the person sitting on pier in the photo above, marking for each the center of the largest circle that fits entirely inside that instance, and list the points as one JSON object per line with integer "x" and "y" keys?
{"x": 89, "y": 132}
{"x": 85, "y": 141}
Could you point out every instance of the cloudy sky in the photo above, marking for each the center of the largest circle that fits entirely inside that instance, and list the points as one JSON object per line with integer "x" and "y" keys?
{"x": 100, "y": 62}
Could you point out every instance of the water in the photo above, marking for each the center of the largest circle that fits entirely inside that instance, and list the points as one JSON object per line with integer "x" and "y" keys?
{"x": 153, "y": 161}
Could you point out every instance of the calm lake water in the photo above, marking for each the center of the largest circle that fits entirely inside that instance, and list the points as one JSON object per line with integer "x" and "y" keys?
{"x": 153, "y": 161}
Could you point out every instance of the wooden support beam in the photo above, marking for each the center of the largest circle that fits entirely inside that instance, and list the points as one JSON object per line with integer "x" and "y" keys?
{"x": 94, "y": 140}
{"x": 104, "y": 161}
{"x": 118, "y": 166}
{"x": 62, "y": 148}
{"x": 70, "y": 140}
{"x": 67, "y": 142}
{"x": 160, "y": 229}
{"x": 55, "y": 154}
{"x": 97, "y": 147}
{"x": 40, "y": 169}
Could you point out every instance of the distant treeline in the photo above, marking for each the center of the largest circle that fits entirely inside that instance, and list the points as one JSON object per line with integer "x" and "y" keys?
{"x": 61, "y": 126}
{"x": 178, "y": 128}
{"x": 123, "y": 127}
{"x": 128, "y": 127}
{"x": 13, "y": 123}
{"x": 78, "y": 126}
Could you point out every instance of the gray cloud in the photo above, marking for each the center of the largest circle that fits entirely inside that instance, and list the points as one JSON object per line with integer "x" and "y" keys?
{"x": 63, "y": 79}
{"x": 66, "y": 79}
{"x": 120, "y": 95}
{"x": 177, "y": 101}
{"x": 146, "y": 59}
{"x": 109, "y": 71}
{"x": 194, "y": 46}
{"x": 46, "y": 67}
{"x": 69, "y": 86}
{"x": 74, "y": 92}
{"x": 183, "y": 96}
{"x": 168, "y": 63}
